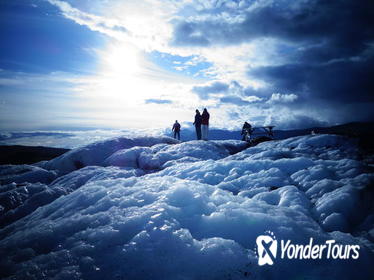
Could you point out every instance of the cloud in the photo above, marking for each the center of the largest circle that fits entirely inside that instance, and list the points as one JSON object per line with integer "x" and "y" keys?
{"x": 188, "y": 34}
{"x": 320, "y": 30}
{"x": 111, "y": 27}
{"x": 158, "y": 101}
{"x": 230, "y": 92}
{"x": 323, "y": 51}
{"x": 144, "y": 23}
{"x": 293, "y": 121}
{"x": 27, "y": 98}
{"x": 282, "y": 98}
{"x": 341, "y": 81}
{"x": 205, "y": 91}
{"x": 303, "y": 21}
{"x": 240, "y": 101}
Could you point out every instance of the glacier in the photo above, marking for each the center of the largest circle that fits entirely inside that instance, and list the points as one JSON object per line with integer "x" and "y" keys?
{"x": 156, "y": 208}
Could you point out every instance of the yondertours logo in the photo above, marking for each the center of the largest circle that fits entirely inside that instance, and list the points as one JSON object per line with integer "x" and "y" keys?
{"x": 267, "y": 248}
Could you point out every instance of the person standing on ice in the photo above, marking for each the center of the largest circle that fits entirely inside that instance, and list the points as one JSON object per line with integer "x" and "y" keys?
{"x": 177, "y": 128}
{"x": 197, "y": 124}
{"x": 246, "y": 131}
{"x": 205, "y": 124}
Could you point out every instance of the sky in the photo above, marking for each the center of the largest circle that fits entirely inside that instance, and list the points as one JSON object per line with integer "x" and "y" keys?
{"x": 138, "y": 64}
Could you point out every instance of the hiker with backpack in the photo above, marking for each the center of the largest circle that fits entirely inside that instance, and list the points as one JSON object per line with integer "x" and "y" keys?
{"x": 177, "y": 128}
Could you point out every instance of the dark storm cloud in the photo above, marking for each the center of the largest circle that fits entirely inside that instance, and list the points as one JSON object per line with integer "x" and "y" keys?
{"x": 348, "y": 22}
{"x": 332, "y": 58}
{"x": 204, "y": 91}
{"x": 298, "y": 122}
{"x": 343, "y": 81}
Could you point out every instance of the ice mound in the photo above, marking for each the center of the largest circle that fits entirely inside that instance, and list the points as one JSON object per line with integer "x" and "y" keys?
{"x": 321, "y": 146}
{"x": 163, "y": 155}
{"x": 161, "y": 209}
{"x": 25, "y": 173}
{"x": 19, "y": 200}
{"x": 78, "y": 178}
{"x": 96, "y": 153}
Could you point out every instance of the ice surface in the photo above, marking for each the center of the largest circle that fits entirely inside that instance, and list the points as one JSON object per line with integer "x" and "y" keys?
{"x": 96, "y": 153}
{"x": 163, "y": 155}
{"x": 154, "y": 208}
{"x": 25, "y": 173}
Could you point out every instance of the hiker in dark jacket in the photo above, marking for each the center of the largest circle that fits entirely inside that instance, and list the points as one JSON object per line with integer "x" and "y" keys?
{"x": 205, "y": 124}
{"x": 177, "y": 128}
{"x": 246, "y": 131}
{"x": 197, "y": 124}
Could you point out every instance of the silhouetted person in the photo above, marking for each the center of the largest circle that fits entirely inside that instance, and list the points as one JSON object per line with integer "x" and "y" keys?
{"x": 205, "y": 124}
{"x": 197, "y": 124}
{"x": 247, "y": 129}
{"x": 177, "y": 128}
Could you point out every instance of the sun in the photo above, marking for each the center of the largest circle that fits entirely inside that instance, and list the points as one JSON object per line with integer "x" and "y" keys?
{"x": 121, "y": 60}
{"x": 127, "y": 79}
{"x": 121, "y": 75}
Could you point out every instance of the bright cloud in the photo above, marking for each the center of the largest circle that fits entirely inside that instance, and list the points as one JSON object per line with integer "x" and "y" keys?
{"x": 282, "y": 98}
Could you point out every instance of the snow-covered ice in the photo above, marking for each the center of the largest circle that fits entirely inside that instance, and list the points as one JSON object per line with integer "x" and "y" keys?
{"x": 156, "y": 208}
{"x": 25, "y": 173}
{"x": 96, "y": 153}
